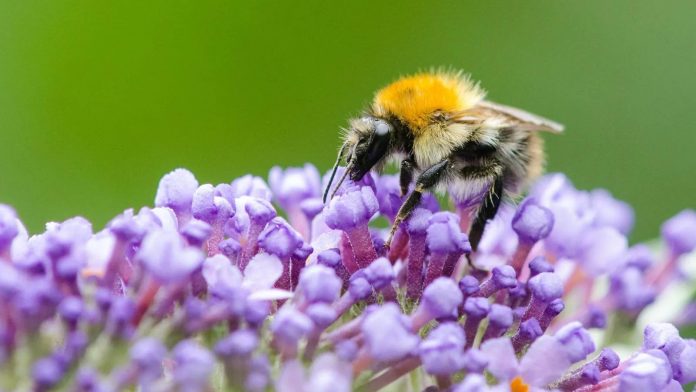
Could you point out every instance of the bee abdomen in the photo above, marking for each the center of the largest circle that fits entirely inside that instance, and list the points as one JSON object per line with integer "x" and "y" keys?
{"x": 474, "y": 151}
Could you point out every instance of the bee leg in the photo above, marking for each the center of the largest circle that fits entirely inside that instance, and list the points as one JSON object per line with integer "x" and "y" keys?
{"x": 487, "y": 211}
{"x": 425, "y": 181}
{"x": 406, "y": 175}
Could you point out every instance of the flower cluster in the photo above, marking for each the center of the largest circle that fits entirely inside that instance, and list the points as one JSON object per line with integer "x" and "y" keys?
{"x": 217, "y": 288}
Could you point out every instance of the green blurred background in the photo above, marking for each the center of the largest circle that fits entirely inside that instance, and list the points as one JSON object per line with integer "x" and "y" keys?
{"x": 99, "y": 99}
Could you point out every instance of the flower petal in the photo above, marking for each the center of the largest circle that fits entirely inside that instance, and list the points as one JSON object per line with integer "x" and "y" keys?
{"x": 545, "y": 361}
{"x": 262, "y": 272}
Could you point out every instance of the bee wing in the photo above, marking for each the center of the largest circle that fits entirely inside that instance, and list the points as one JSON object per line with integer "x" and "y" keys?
{"x": 521, "y": 118}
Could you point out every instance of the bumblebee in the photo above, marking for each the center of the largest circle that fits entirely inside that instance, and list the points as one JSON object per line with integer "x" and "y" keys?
{"x": 440, "y": 130}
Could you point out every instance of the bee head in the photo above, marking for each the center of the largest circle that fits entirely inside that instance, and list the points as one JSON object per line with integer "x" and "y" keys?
{"x": 367, "y": 143}
{"x": 370, "y": 138}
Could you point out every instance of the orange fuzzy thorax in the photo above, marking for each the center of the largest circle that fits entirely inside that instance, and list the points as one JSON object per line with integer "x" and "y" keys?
{"x": 414, "y": 99}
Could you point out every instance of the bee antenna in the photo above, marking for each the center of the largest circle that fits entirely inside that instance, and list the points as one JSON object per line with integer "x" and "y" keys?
{"x": 343, "y": 177}
{"x": 333, "y": 172}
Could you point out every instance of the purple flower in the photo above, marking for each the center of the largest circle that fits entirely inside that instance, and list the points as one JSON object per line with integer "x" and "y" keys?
{"x": 321, "y": 295}
{"x": 248, "y": 186}
{"x": 684, "y": 367}
{"x": 258, "y": 211}
{"x": 239, "y": 343}
{"x": 440, "y": 299}
{"x": 167, "y": 258}
{"x": 176, "y": 190}
{"x": 476, "y": 307}
{"x": 380, "y": 273}
{"x": 329, "y": 374}
{"x": 194, "y": 364}
{"x": 11, "y": 281}
{"x": 553, "y": 309}
{"x": 349, "y": 185}
{"x": 387, "y": 336}
{"x": 611, "y": 212}
{"x": 230, "y": 248}
{"x": 416, "y": 227}
{"x": 442, "y": 352}
{"x": 529, "y": 330}
{"x": 258, "y": 375}
{"x": 680, "y": 353}
{"x": 256, "y": 311}
{"x": 595, "y": 318}
{"x": 389, "y": 195}
{"x": 46, "y": 373}
{"x": 445, "y": 236}
{"x": 37, "y": 301}
{"x": 545, "y": 287}
{"x": 289, "y": 326}
{"x": 319, "y": 284}
{"x": 196, "y": 232}
{"x": 347, "y": 350}
{"x": 639, "y": 256}
{"x": 221, "y": 275}
{"x": 588, "y": 374}
{"x": 350, "y": 212}
{"x": 538, "y": 265}
{"x": 544, "y": 362}
{"x": 532, "y": 222}
{"x": 8, "y": 226}
{"x": 603, "y": 250}
{"x": 62, "y": 239}
{"x": 312, "y": 207}
{"x": 648, "y": 371}
{"x": 208, "y": 207}
{"x": 359, "y": 287}
{"x": 500, "y": 318}
{"x": 321, "y": 314}
{"x": 293, "y": 185}
{"x": 473, "y": 383}
{"x": 147, "y": 356}
{"x": 330, "y": 258}
{"x": 70, "y": 309}
{"x": 121, "y": 313}
{"x": 262, "y": 272}
{"x": 280, "y": 239}
{"x": 469, "y": 285}
{"x": 572, "y": 217}
{"x": 247, "y": 224}
{"x": 351, "y": 209}
{"x": 678, "y": 232}
{"x": 629, "y": 290}
{"x": 502, "y": 277}
{"x": 608, "y": 360}
{"x": 419, "y": 221}
{"x": 475, "y": 361}
{"x": 87, "y": 380}
{"x": 576, "y": 341}
{"x": 298, "y": 191}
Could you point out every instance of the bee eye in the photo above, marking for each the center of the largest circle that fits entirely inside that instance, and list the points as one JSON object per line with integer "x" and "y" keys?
{"x": 381, "y": 128}
{"x": 371, "y": 148}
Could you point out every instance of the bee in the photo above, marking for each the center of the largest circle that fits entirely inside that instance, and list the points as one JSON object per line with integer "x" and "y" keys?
{"x": 440, "y": 130}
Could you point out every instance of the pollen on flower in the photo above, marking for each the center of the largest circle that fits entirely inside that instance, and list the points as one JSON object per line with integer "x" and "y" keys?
{"x": 92, "y": 272}
{"x": 518, "y": 385}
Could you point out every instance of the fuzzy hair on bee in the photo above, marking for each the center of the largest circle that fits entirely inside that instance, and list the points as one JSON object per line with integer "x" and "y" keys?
{"x": 444, "y": 135}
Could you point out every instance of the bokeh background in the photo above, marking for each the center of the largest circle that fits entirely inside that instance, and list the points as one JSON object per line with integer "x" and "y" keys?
{"x": 99, "y": 99}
